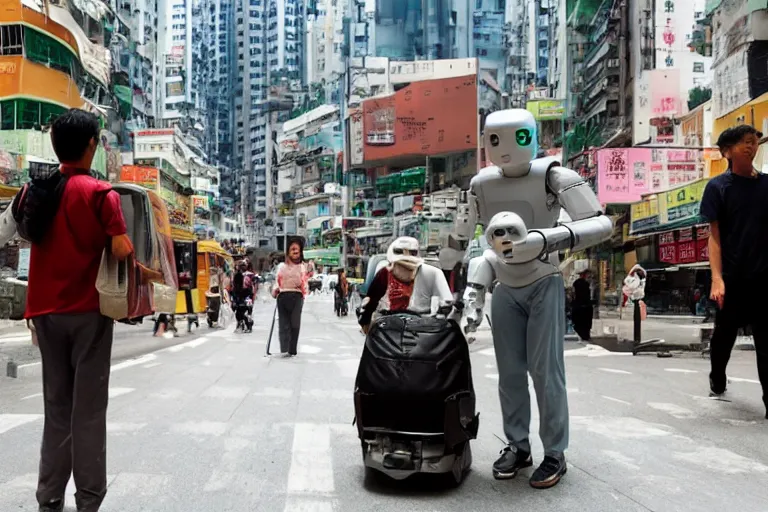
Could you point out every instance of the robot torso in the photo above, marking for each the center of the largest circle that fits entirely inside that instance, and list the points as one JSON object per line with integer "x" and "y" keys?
{"x": 527, "y": 196}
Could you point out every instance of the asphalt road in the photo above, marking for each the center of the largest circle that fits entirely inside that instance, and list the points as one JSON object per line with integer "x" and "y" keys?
{"x": 212, "y": 425}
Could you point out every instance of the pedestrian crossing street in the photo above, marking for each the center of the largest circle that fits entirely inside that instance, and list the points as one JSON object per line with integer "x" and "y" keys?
{"x": 213, "y": 425}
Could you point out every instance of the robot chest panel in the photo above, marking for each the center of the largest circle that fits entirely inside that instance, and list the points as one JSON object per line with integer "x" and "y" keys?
{"x": 526, "y": 196}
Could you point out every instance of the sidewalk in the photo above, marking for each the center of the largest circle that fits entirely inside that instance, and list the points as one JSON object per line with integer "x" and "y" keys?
{"x": 680, "y": 332}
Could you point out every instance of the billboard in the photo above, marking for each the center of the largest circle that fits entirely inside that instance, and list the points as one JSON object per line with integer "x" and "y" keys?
{"x": 624, "y": 175}
{"x": 427, "y": 118}
{"x": 546, "y": 110}
{"x": 147, "y": 177}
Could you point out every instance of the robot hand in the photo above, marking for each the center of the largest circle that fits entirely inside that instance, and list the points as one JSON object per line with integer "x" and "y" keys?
{"x": 471, "y": 322}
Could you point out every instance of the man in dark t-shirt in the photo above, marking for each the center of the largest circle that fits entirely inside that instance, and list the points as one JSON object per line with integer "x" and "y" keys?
{"x": 736, "y": 206}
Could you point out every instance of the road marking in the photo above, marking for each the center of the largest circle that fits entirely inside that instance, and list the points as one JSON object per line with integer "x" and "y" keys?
{"x": 206, "y": 428}
{"x": 115, "y": 392}
{"x": 311, "y": 468}
{"x": 275, "y": 392}
{"x": 492, "y": 376}
{"x": 748, "y": 381}
{"x": 10, "y": 421}
{"x": 147, "y": 358}
{"x": 296, "y": 504}
{"x": 237, "y": 393}
{"x": 616, "y": 400}
{"x": 592, "y": 350}
{"x": 680, "y": 370}
{"x": 622, "y": 427}
{"x": 673, "y": 410}
{"x": 32, "y": 396}
{"x": 309, "y": 349}
{"x": 16, "y": 338}
{"x": 613, "y": 370}
{"x": 151, "y": 365}
{"x": 718, "y": 460}
{"x": 189, "y": 344}
{"x": 738, "y": 423}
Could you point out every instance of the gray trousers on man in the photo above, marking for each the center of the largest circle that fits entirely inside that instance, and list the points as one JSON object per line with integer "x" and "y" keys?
{"x": 528, "y": 336}
{"x": 289, "y": 306}
{"x": 76, "y": 350}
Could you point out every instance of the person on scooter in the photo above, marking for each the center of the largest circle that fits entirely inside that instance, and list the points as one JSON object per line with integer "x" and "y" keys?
{"x": 405, "y": 283}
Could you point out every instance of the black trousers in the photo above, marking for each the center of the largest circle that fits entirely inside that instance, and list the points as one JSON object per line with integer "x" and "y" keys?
{"x": 741, "y": 308}
{"x": 289, "y": 306}
{"x": 581, "y": 316}
{"x": 76, "y": 350}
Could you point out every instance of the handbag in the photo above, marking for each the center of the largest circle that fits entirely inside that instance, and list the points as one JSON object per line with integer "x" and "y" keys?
{"x": 112, "y": 285}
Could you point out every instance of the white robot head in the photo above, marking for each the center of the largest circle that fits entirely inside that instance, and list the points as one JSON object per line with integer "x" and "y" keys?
{"x": 404, "y": 251}
{"x": 504, "y": 230}
{"x": 510, "y": 140}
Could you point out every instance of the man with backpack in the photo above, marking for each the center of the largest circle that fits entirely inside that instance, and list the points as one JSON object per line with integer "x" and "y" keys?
{"x": 71, "y": 218}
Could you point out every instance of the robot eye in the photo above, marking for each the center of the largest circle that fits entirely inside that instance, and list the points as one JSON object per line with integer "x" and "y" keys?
{"x": 499, "y": 232}
{"x": 494, "y": 140}
{"x": 523, "y": 137}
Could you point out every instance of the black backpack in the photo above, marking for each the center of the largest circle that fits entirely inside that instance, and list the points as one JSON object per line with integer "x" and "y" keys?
{"x": 36, "y": 204}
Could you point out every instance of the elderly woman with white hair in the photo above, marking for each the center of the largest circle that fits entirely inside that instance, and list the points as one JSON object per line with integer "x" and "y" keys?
{"x": 404, "y": 283}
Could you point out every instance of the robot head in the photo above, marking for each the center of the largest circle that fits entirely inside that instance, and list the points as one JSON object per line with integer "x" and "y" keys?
{"x": 504, "y": 230}
{"x": 510, "y": 140}
{"x": 404, "y": 251}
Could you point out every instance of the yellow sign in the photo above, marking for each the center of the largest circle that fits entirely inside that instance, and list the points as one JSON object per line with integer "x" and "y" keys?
{"x": 683, "y": 202}
{"x": 546, "y": 110}
{"x": 644, "y": 215}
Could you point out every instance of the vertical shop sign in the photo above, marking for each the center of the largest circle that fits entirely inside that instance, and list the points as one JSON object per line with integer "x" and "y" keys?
{"x": 613, "y": 180}
{"x": 686, "y": 252}
{"x": 668, "y": 254}
{"x": 702, "y": 250}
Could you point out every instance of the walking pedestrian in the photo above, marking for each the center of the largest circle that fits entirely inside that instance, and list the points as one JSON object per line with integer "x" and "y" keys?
{"x": 581, "y": 307}
{"x": 75, "y": 339}
{"x": 290, "y": 290}
{"x": 736, "y": 205}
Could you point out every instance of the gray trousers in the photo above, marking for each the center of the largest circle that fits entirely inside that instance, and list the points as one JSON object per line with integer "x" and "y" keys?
{"x": 289, "y": 306}
{"x": 76, "y": 350}
{"x": 528, "y": 336}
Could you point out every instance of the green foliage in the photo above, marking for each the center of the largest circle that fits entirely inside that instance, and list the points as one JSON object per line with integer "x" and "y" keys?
{"x": 697, "y": 96}
{"x": 581, "y": 138}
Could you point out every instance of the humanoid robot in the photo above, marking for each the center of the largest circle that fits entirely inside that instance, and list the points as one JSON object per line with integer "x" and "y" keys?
{"x": 519, "y": 201}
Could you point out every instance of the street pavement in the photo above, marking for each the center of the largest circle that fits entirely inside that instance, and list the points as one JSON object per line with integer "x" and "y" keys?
{"x": 211, "y": 424}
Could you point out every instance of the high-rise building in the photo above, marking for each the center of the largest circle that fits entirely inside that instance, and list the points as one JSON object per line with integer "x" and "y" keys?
{"x": 269, "y": 52}
{"x": 174, "y": 58}
{"x": 415, "y": 29}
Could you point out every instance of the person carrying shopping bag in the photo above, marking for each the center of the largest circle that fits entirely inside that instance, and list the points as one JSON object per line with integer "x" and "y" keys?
{"x": 291, "y": 288}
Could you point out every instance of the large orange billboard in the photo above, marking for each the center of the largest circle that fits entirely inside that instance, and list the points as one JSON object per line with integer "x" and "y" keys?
{"x": 426, "y": 118}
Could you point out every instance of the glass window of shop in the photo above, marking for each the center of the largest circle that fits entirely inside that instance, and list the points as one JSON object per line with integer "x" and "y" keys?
{"x": 23, "y": 114}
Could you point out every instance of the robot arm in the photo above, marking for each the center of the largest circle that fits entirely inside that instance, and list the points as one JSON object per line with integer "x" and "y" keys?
{"x": 589, "y": 227}
{"x": 480, "y": 278}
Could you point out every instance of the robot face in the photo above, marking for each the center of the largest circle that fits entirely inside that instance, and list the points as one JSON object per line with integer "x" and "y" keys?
{"x": 510, "y": 140}
{"x": 504, "y": 230}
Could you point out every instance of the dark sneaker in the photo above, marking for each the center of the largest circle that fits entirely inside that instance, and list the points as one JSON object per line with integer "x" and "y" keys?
{"x": 52, "y": 506}
{"x": 510, "y": 462}
{"x": 717, "y": 387}
{"x": 549, "y": 473}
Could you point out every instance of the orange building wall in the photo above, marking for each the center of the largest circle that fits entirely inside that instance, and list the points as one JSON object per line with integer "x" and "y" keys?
{"x": 22, "y": 78}
{"x": 12, "y": 11}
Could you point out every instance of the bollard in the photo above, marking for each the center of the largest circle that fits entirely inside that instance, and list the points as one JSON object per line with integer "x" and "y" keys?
{"x": 638, "y": 323}
{"x": 12, "y": 370}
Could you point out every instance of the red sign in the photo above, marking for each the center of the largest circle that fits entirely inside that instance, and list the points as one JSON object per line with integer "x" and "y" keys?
{"x": 667, "y": 238}
{"x": 668, "y": 254}
{"x": 686, "y": 252}
{"x": 702, "y": 250}
{"x": 702, "y": 232}
{"x": 685, "y": 235}
{"x": 429, "y": 117}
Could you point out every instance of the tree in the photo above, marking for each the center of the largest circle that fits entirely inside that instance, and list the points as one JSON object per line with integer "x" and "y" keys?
{"x": 698, "y": 95}
{"x": 581, "y": 138}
